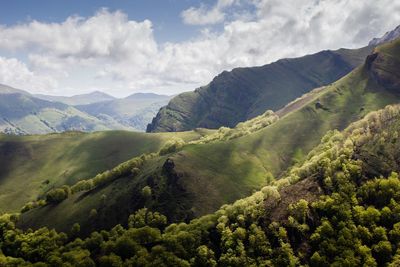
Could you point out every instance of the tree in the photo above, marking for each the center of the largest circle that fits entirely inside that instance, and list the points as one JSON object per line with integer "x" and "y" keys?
{"x": 75, "y": 229}
{"x": 56, "y": 195}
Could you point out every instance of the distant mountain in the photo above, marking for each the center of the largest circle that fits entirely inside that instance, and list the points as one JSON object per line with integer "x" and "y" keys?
{"x": 244, "y": 93}
{"x": 83, "y": 99}
{"x": 387, "y": 37}
{"x": 5, "y": 89}
{"x": 134, "y": 111}
{"x": 23, "y": 113}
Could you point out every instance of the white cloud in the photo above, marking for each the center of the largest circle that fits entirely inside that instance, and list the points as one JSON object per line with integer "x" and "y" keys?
{"x": 204, "y": 16}
{"x": 103, "y": 35}
{"x": 110, "y": 52}
{"x": 16, "y": 74}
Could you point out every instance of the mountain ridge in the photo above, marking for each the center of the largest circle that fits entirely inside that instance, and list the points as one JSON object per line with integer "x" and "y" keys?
{"x": 244, "y": 93}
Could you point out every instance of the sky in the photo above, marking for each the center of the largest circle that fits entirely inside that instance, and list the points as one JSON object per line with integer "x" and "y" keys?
{"x": 122, "y": 47}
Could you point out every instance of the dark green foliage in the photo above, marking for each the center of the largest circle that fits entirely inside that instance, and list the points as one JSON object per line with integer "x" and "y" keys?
{"x": 57, "y": 195}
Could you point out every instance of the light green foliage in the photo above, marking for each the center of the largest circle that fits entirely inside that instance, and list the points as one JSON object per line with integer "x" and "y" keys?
{"x": 241, "y": 129}
{"x": 355, "y": 223}
{"x": 171, "y": 146}
{"x": 145, "y": 217}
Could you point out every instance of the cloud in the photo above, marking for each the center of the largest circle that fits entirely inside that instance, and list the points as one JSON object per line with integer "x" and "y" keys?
{"x": 103, "y": 35}
{"x": 204, "y": 16}
{"x": 110, "y": 52}
{"x": 16, "y": 74}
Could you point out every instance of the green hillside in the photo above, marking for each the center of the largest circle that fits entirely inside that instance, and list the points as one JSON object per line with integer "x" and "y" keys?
{"x": 244, "y": 93}
{"x": 338, "y": 208}
{"x": 134, "y": 111}
{"x": 202, "y": 176}
{"x": 31, "y": 165}
{"x": 22, "y": 113}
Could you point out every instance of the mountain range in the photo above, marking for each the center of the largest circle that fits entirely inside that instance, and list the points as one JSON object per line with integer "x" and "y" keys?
{"x": 23, "y": 113}
{"x": 224, "y": 166}
{"x": 297, "y": 165}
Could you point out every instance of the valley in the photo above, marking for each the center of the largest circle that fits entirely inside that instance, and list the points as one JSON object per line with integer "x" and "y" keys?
{"x": 291, "y": 163}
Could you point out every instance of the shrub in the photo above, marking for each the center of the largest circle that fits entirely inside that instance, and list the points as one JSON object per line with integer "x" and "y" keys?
{"x": 57, "y": 195}
{"x": 172, "y": 146}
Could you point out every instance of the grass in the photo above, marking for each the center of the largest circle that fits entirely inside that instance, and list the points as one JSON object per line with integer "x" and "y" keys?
{"x": 212, "y": 174}
{"x": 31, "y": 165}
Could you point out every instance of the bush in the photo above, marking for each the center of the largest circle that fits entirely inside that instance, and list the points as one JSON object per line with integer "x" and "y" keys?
{"x": 57, "y": 195}
{"x": 172, "y": 146}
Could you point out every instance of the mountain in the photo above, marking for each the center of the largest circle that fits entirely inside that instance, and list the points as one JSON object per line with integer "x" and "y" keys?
{"x": 387, "y": 37}
{"x": 134, "y": 111}
{"x": 4, "y": 89}
{"x": 22, "y": 113}
{"x": 244, "y": 93}
{"x": 190, "y": 179}
{"x": 83, "y": 99}
{"x": 339, "y": 208}
{"x": 31, "y": 165}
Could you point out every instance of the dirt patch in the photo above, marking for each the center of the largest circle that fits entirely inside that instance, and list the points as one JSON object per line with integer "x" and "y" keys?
{"x": 307, "y": 189}
{"x": 298, "y": 103}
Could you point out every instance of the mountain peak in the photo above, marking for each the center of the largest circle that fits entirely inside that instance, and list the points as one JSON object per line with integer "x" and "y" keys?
{"x": 387, "y": 37}
{"x": 145, "y": 96}
{"x": 97, "y": 93}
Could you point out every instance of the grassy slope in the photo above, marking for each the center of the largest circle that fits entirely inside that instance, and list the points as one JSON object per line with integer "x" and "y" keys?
{"x": 27, "y": 162}
{"x": 207, "y": 176}
{"x": 245, "y": 93}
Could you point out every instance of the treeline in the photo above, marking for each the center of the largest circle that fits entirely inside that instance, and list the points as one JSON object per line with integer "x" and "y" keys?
{"x": 241, "y": 129}
{"x": 354, "y": 222}
{"x": 133, "y": 166}
{"x": 56, "y": 195}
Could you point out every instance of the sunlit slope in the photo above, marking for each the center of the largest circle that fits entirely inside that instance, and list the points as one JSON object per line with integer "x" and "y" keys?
{"x": 201, "y": 177}
{"x": 30, "y": 165}
{"x": 243, "y": 93}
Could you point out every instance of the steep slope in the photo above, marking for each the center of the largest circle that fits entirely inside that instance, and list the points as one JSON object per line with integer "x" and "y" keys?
{"x": 244, "y": 93}
{"x": 31, "y": 165}
{"x": 202, "y": 176}
{"x": 339, "y": 208}
{"x": 21, "y": 113}
{"x": 387, "y": 37}
{"x": 134, "y": 111}
{"x": 84, "y": 99}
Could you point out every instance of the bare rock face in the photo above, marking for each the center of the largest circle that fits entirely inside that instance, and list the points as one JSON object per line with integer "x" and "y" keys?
{"x": 387, "y": 37}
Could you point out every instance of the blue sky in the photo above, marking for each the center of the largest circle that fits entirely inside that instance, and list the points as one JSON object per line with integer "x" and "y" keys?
{"x": 170, "y": 46}
{"x": 165, "y": 14}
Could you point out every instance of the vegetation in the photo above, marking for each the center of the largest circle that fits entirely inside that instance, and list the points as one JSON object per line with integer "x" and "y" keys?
{"x": 200, "y": 178}
{"x": 245, "y": 93}
{"x": 351, "y": 219}
{"x": 32, "y": 165}
{"x": 241, "y": 129}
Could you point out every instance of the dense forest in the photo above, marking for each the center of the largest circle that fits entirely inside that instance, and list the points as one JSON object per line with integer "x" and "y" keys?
{"x": 339, "y": 207}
